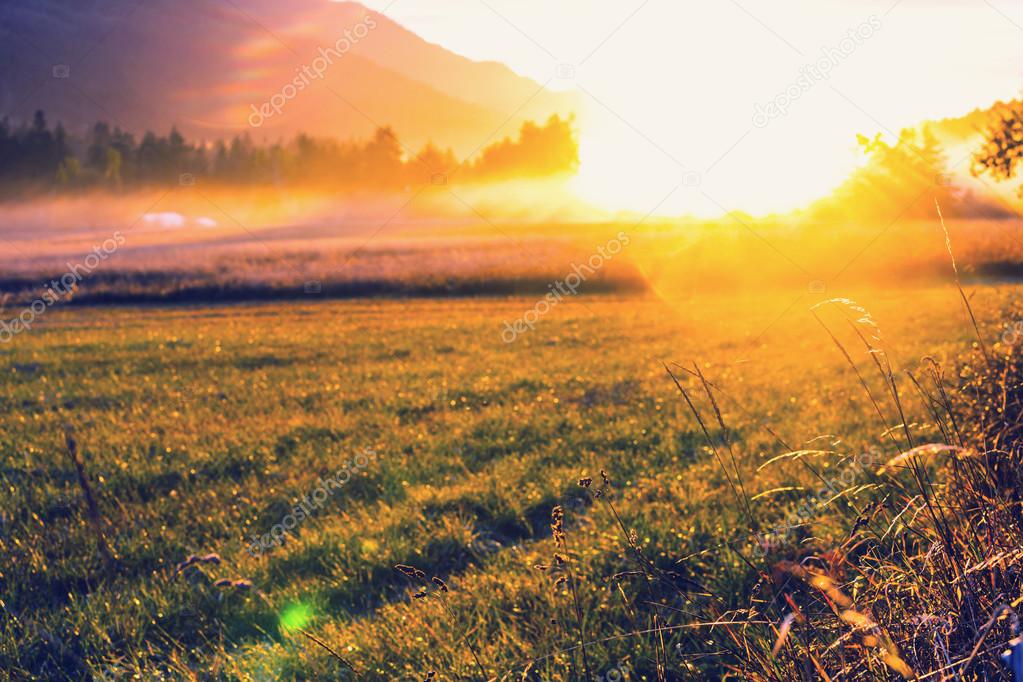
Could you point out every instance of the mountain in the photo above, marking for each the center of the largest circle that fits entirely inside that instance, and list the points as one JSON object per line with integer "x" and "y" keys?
{"x": 203, "y": 65}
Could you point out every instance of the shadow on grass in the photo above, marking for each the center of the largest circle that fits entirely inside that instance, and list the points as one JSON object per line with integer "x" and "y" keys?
{"x": 107, "y": 288}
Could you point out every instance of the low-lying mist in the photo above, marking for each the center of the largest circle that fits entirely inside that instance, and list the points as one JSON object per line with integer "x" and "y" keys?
{"x": 208, "y": 243}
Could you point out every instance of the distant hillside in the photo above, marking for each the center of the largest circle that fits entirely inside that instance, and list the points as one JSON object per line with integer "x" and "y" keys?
{"x": 203, "y": 64}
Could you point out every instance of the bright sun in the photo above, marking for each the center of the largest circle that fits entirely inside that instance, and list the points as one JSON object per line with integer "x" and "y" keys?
{"x": 662, "y": 95}
{"x": 617, "y": 174}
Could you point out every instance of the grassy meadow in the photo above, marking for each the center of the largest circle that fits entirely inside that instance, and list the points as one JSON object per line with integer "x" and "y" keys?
{"x": 200, "y": 427}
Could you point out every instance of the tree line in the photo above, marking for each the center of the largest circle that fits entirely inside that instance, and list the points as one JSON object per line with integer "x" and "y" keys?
{"x": 905, "y": 177}
{"x": 35, "y": 155}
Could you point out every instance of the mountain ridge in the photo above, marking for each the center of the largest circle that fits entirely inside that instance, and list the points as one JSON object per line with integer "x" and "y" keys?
{"x": 202, "y": 66}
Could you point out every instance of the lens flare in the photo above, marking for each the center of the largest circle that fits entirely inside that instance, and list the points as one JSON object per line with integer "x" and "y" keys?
{"x": 296, "y": 616}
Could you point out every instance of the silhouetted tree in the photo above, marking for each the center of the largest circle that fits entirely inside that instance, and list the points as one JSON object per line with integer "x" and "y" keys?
{"x": 1002, "y": 152}
{"x": 539, "y": 151}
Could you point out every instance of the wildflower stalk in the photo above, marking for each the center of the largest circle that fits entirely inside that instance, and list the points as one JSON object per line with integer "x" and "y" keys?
{"x": 560, "y": 538}
{"x": 92, "y": 509}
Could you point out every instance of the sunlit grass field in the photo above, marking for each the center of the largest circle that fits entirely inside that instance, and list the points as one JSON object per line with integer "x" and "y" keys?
{"x": 200, "y": 427}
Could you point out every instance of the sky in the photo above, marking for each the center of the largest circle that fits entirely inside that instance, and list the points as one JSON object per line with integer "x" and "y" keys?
{"x": 676, "y": 94}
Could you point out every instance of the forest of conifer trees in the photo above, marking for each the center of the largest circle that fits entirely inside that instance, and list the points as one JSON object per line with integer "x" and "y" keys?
{"x": 36, "y": 155}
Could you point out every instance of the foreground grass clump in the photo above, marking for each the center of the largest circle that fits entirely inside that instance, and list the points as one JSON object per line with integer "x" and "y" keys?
{"x": 925, "y": 582}
{"x": 199, "y": 428}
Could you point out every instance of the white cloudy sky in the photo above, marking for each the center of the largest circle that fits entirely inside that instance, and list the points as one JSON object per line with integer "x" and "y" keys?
{"x": 672, "y": 83}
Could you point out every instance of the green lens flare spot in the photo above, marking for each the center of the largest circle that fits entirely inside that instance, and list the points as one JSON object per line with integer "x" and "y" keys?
{"x": 296, "y": 616}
